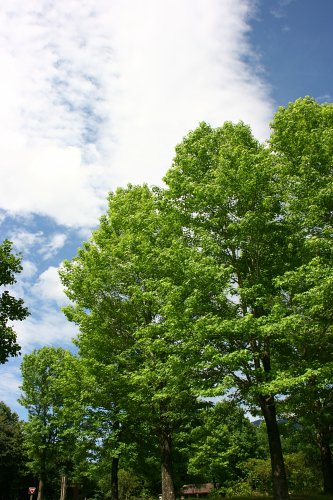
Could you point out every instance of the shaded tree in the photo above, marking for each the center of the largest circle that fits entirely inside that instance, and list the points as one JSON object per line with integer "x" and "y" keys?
{"x": 11, "y": 458}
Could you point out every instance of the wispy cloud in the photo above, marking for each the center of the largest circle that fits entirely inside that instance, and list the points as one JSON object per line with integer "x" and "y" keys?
{"x": 9, "y": 387}
{"x": 280, "y": 12}
{"x": 23, "y": 239}
{"x": 324, "y": 98}
{"x": 29, "y": 270}
{"x": 46, "y": 245}
{"x": 56, "y": 242}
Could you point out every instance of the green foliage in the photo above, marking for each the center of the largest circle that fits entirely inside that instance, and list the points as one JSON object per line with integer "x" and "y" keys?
{"x": 264, "y": 216}
{"x": 129, "y": 284}
{"x": 225, "y": 177}
{"x": 302, "y": 478}
{"x": 258, "y": 475}
{"x": 305, "y": 308}
{"x": 11, "y": 457}
{"x": 51, "y": 382}
{"x": 130, "y": 485}
{"x": 221, "y": 444}
{"x": 11, "y": 308}
{"x": 222, "y": 281}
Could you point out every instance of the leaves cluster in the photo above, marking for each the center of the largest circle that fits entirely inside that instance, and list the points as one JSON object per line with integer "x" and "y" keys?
{"x": 11, "y": 308}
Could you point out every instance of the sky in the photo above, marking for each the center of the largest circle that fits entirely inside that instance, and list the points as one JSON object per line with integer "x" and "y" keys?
{"x": 96, "y": 94}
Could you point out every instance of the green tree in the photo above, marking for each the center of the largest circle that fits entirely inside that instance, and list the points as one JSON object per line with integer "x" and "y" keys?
{"x": 11, "y": 458}
{"x": 223, "y": 188}
{"x": 128, "y": 284}
{"x": 213, "y": 284}
{"x": 51, "y": 396}
{"x": 302, "y": 140}
{"x": 221, "y": 444}
{"x": 11, "y": 309}
{"x": 301, "y": 457}
{"x": 306, "y": 315}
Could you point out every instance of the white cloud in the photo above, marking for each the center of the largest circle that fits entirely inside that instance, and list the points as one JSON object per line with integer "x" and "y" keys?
{"x": 9, "y": 385}
{"x": 52, "y": 328}
{"x": 29, "y": 270}
{"x": 50, "y": 181}
{"x": 97, "y": 94}
{"x": 56, "y": 242}
{"x": 46, "y": 245}
{"x": 49, "y": 288}
{"x": 23, "y": 239}
{"x": 179, "y": 63}
{"x": 2, "y": 216}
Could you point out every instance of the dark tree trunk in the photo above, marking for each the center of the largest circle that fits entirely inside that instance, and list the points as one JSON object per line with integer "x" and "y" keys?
{"x": 326, "y": 460}
{"x": 168, "y": 489}
{"x": 280, "y": 484}
{"x": 114, "y": 479}
{"x": 76, "y": 490}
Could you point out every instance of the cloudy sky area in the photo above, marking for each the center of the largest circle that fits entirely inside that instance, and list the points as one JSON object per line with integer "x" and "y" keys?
{"x": 96, "y": 94}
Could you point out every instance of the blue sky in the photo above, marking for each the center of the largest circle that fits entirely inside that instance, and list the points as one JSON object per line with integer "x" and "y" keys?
{"x": 94, "y": 95}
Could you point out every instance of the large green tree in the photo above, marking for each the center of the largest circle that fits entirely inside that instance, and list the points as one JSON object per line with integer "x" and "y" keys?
{"x": 264, "y": 215}
{"x": 220, "y": 282}
{"x": 222, "y": 185}
{"x": 11, "y": 308}
{"x": 302, "y": 141}
{"x": 129, "y": 283}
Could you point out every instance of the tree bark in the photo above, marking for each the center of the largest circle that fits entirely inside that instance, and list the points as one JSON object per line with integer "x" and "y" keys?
{"x": 168, "y": 489}
{"x": 114, "y": 479}
{"x": 63, "y": 487}
{"x": 323, "y": 442}
{"x": 280, "y": 484}
{"x": 40, "y": 495}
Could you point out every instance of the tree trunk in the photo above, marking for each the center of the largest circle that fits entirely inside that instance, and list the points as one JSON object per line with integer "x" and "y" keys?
{"x": 63, "y": 487}
{"x": 280, "y": 484}
{"x": 40, "y": 495}
{"x": 76, "y": 490}
{"x": 168, "y": 489}
{"x": 326, "y": 460}
{"x": 114, "y": 479}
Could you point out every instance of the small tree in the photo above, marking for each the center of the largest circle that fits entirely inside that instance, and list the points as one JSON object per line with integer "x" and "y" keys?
{"x": 11, "y": 309}
{"x": 221, "y": 444}
{"x": 51, "y": 396}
